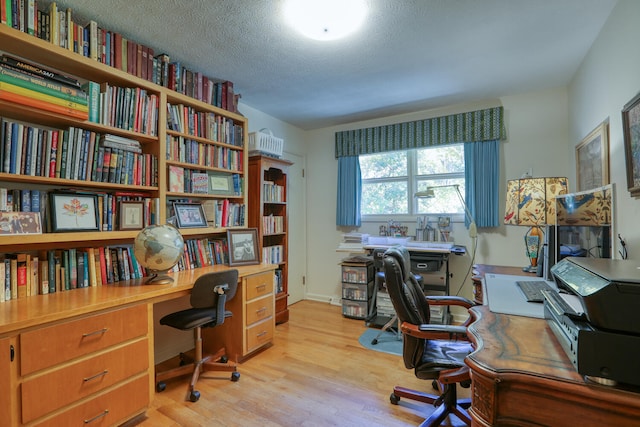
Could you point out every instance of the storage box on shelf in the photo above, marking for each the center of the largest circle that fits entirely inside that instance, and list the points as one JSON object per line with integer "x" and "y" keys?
{"x": 268, "y": 213}
{"x": 358, "y": 289}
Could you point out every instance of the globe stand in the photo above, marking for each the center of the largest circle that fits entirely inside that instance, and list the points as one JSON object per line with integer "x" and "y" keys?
{"x": 159, "y": 278}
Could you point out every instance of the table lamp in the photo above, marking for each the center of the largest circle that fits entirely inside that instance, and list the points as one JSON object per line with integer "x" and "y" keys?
{"x": 429, "y": 193}
{"x": 530, "y": 203}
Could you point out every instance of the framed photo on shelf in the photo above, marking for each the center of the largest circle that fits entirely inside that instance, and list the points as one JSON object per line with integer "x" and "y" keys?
{"x": 221, "y": 184}
{"x": 131, "y": 215}
{"x": 592, "y": 159}
{"x": 74, "y": 212}
{"x": 631, "y": 134}
{"x": 189, "y": 215}
{"x": 20, "y": 223}
{"x": 243, "y": 246}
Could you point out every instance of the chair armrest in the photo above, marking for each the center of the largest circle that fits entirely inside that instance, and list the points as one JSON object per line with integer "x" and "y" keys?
{"x": 450, "y": 300}
{"x": 435, "y": 332}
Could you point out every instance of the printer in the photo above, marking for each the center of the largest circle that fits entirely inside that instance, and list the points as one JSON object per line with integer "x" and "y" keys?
{"x": 602, "y": 338}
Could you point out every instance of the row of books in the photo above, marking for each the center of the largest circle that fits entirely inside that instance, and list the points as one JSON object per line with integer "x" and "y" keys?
{"x": 30, "y": 85}
{"x": 61, "y": 28}
{"x": 278, "y": 281}
{"x": 123, "y": 107}
{"x": 185, "y": 150}
{"x": 184, "y": 180}
{"x": 75, "y": 153}
{"x": 29, "y": 274}
{"x": 185, "y": 119}
{"x": 108, "y": 208}
{"x": 272, "y": 224}
{"x": 224, "y": 213}
{"x": 272, "y": 192}
{"x": 273, "y": 254}
{"x": 202, "y": 253}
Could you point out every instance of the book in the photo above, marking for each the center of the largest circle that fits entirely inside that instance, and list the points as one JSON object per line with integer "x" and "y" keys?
{"x": 8, "y": 87}
{"x": 37, "y": 69}
{"x": 42, "y": 105}
{"x": 41, "y": 84}
{"x": 22, "y": 277}
{"x": 92, "y": 90}
{"x": 176, "y": 179}
{"x": 199, "y": 183}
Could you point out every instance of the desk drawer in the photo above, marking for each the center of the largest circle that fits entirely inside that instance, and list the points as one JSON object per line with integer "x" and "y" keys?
{"x": 66, "y": 385}
{"x": 259, "y": 285}
{"x": 259, "y": 309}
{"x": 259, "y": 334}
{"x": 53, "y": 345}
{"x": 111, "y": 408}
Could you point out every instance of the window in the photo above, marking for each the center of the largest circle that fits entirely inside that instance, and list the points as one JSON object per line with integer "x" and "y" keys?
{"x": 390, "y": 179}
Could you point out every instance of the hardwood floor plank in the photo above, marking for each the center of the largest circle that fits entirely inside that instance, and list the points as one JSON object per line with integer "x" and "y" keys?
{"x": 316, "y": 374}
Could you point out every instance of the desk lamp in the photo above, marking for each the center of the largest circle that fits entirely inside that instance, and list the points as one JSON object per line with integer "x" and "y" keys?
{"x": 530, "y": 202}
{"x": 429, "y": 193}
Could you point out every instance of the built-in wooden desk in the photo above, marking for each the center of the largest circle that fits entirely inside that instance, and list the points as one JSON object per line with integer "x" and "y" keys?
{"x": 86, "y": 355}
{"x": 521, "y": 376}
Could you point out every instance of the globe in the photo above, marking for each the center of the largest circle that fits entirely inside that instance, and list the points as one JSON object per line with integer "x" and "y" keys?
{"x": 158, "y": 248}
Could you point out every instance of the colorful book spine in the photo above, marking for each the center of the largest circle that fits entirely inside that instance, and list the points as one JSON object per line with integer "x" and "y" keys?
{"x": 4, "y": 86}
{"x": 43, "y": 85}
{"x": 42, "y": 105}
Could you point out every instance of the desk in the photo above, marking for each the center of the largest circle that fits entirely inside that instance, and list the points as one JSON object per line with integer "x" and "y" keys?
{"x": 521, "y": 376}
{"x": 41, "y": 341}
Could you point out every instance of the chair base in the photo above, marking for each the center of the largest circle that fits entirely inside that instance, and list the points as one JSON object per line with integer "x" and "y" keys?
{"x": 188, "y": 366}
{"x": 446, "y": 404}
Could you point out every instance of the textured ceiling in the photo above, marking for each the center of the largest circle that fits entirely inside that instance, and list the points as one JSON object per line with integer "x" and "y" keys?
{"x": 409, "y": 55}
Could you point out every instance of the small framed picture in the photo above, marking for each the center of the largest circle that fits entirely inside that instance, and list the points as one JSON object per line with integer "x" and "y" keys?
{"x": 20, "y": 223}
{"x": 631, "y": 134}
{"x": 131, "y": 215}
{"x": 243, "y": 246}
{"x": 189, "y": 215}
{"x": 74, "y": 212}
{"x": 592, "y": 159}
{"x": 221, "y": 184}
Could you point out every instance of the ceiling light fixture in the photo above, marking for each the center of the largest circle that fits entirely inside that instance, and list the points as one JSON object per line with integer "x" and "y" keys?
{"x": 325, "y": 19}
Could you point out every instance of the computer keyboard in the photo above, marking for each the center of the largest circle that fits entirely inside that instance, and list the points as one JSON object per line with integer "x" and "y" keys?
{"x": 532, "y": 289}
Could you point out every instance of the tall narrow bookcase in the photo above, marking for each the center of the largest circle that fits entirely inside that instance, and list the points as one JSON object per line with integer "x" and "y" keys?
{"x": 268, "y": 212}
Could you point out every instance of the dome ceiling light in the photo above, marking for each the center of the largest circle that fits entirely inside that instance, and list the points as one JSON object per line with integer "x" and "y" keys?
{"x": 325, "y": 19}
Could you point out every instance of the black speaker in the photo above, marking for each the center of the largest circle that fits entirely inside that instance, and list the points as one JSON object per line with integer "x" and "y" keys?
{"x": 549, "y": 253}
{"x": 541, "y": 261}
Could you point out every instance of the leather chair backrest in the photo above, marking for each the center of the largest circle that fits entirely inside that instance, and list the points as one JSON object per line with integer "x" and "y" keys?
{"x": 408, "y": 299}
{"x": 203, "y": 294}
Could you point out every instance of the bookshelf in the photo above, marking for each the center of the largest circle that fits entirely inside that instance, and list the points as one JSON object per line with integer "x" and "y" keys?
{"x": 268, "y": 212}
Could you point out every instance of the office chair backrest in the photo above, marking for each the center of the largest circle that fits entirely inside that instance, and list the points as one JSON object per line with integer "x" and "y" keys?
{"x": 204, "y": 293}
{"x": 408, "y": 300}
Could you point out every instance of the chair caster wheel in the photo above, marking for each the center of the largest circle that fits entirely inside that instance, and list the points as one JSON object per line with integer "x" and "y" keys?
{"x": 194, "y": 396}
{"x": 224, "y": 359}
{"x": 235, "y": 376}
{"x": 394, "y": 399}
{"x": 374, "y": 341}
{"x": 434, "y": 384}
{"x": 160, "y": 387}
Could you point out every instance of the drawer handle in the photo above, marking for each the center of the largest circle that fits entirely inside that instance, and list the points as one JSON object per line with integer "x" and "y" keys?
{"x": 261, "y": 310}
{"x": 93, "y": 377}
{"x": 98, "y": 332}
{"x": 90, "y": 420}
{"x": 261, "y": 287}
{"x": 261, "y": 334}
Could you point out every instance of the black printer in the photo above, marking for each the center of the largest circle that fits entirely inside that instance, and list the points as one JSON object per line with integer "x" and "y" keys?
{"x": 602, "y": 339}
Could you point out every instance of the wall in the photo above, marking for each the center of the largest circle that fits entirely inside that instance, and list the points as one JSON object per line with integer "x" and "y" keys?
{"x": 537, "y": 139}
{"x": 607, "y": 79}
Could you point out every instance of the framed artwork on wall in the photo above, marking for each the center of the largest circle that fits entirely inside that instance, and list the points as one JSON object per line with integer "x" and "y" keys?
{"x": 592, "y": 159}
{"x": 74, "y": 212}
{"x": 631, "y": 134}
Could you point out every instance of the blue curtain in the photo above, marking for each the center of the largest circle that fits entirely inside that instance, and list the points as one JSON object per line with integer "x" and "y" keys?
{"x": 349, "y": 192}
{"x": 481, "y": 175}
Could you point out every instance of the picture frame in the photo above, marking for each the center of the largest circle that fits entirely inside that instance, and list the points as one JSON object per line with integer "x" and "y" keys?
{"x": 73, "y": 212}
{"x": 189, "y": 215}
{"x": 221, "y": 184}
{"x": 131, "y": 215}
{"x": 631, "y": 135}
{"x": 20, "y": 223}
{"x": 243, "y": 246}
{"x": 592, "y": 159}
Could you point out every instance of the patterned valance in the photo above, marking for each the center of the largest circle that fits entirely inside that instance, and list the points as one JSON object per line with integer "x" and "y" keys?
{"x": 473, "y": 126}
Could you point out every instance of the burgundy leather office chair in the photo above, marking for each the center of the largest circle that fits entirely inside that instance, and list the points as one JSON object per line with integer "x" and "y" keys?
{"x": 209, "y": 295}
{"x": 434, "y": 352}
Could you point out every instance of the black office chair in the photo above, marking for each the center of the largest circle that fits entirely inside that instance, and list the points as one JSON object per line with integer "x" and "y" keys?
{"x": 378, "y": 255}
{"x": 434, "y": 352}
{"x": 208, "y": 297}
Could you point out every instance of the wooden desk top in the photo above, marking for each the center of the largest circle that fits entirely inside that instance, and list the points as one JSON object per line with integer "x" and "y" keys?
{"x": 521, "y": 376}
{"x": 36, "y": 310}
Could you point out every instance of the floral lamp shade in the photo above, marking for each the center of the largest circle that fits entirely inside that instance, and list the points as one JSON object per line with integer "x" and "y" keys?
{"x": 531, "y": 201}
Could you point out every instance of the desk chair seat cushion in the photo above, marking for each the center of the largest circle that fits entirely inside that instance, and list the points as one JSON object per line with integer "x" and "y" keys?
{"x": 192, "y": 318}
{"x": 441, "y": 355}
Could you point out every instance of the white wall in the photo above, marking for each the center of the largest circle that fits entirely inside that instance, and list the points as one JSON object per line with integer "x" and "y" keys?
{"x": 608, "y": 78}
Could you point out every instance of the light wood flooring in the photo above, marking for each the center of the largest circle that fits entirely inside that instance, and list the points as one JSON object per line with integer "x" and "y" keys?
{"x": 316, "y": 374}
